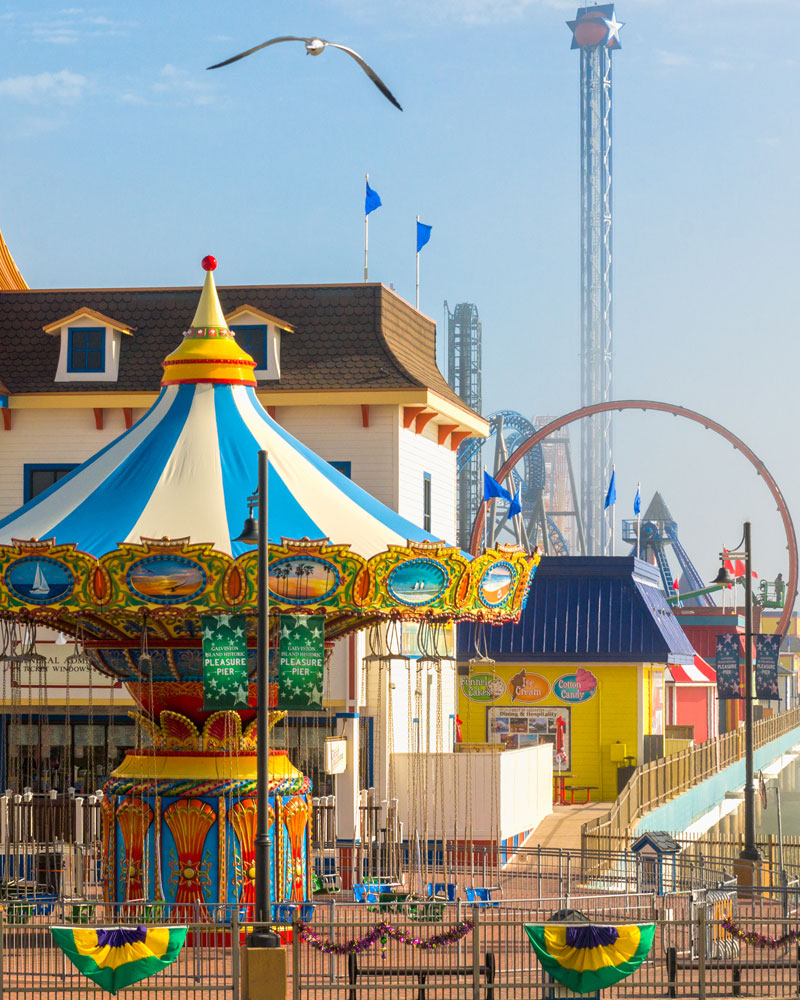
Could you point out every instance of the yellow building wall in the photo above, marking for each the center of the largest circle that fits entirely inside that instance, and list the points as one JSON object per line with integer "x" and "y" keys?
{"x": 619, "y": 710}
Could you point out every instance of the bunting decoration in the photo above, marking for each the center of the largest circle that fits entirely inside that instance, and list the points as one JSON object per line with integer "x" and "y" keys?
{"x": 116, "y": 957}
{"x": 586, "y": 957}
{"x": 381, "y": 933}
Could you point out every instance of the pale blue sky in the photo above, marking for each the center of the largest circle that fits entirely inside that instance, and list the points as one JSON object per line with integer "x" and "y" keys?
{"x": 124, "y": 161}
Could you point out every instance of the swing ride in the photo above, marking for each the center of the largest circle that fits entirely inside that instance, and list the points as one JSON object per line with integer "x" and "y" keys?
{"x": 134, "y": 556}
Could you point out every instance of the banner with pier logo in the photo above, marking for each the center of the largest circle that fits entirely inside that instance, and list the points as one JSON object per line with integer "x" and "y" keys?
{"x": 302, "y": 662}
{"x": 727, "y": 665}
{"x": 225, "y": 683}
{"x": 768, "y": 649}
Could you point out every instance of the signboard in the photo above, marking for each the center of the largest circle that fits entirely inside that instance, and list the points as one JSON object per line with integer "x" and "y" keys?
{"x": 225, "y": 683}
{"x": 335, "y": 755}
{"x": 521, "y": 727}
{"x": 302, "y": 662}
{"x": 768, "y": 648}
{"x": 577, "y": 687}
{"x": 526, "y": 687}
{"x": 483, "y": 687}
{"x": 727, "y": 666}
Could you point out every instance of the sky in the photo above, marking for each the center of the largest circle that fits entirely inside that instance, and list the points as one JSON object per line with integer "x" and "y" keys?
{"x": 124, "y": 161}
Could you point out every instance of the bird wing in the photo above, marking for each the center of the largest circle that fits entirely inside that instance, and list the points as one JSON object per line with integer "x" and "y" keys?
{"x": 263, "y": 45}
{"x": 369, "y": 71}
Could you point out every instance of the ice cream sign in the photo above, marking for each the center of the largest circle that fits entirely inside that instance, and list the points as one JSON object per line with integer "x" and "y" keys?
{"x": 528, "y": 687}
{"x": 577, "y": 687}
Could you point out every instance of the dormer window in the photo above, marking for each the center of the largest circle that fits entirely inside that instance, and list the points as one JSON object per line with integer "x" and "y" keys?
{"x": 90, "y": 346}
{"x": 259, "y": 333}
{"x": 253, "y": 339}
{"x": 86, "y": 349}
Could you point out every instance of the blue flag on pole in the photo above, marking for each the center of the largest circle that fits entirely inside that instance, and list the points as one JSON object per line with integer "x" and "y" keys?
{"x": 515, "y": 507}
{"x": 371, "y": 201}
{"x": 423, "y": 234}
{"x": 492, "y": 490}
{"x": 637, "y": 502}
{"x": 611, "y": 496}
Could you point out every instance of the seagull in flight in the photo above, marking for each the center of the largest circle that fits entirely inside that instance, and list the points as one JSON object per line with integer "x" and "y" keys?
{"x": 314, "y": 47}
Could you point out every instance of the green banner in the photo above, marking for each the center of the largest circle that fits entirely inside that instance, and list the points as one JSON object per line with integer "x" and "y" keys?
{"x": 302, "y": 661}
{"x": 224, "y": 661}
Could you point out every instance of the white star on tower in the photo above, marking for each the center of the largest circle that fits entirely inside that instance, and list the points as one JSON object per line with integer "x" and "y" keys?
{"x": 613, "y": 26}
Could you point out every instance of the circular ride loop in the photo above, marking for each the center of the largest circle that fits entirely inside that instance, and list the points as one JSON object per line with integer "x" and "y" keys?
{"x": 678, "y": 411}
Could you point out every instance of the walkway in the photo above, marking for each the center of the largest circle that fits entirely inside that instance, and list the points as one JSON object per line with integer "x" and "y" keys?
{"x": 562, "y": 828}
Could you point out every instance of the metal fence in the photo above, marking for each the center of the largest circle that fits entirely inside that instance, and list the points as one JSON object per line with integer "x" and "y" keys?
{"x": 691, "y": 957}
{"x": 32, "y": 966}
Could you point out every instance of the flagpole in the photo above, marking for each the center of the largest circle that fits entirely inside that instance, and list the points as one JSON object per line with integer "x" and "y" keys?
{"x": 366, "y": 235}
{"x": 639, "y": 522}
{"x": 611, "y": 507}
{"x": 417, "y": 306}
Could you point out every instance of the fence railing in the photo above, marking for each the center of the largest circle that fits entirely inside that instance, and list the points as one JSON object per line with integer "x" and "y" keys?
{"x": 693, "y": 956}
{"x": 653, "y": 784}
{"x": 32, "y": 965}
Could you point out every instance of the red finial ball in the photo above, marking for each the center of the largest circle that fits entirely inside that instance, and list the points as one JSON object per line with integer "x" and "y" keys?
{"x": 209, "y": 263}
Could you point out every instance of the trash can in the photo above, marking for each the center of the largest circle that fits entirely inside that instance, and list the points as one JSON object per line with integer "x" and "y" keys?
{"x": 49, "y": 866}
{"x": 624, "y": 772}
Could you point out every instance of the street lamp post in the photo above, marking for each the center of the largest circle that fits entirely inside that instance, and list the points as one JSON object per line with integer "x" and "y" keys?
{"x": 750, "y": 851}
{"x": 257, "y": 532}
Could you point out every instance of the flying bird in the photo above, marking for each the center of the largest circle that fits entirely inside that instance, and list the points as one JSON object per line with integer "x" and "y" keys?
{"x": 314, "y": 47}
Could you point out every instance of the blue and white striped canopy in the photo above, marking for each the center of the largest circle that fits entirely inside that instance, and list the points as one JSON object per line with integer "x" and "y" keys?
{"x": 186, "y": 469}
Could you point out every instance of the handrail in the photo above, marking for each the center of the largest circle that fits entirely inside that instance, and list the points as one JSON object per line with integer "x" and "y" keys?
{"x": 655, "y": 783}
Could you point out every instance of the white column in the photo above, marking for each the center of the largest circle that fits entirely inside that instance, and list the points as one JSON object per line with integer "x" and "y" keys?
{"x": 346, "y": 784}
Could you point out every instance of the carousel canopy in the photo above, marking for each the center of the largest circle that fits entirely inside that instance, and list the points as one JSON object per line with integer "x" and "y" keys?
{"x": 187, "y": 467}
{"x": 139, "y": 539}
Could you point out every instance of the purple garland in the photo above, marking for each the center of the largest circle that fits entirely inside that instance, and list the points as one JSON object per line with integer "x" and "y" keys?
{"x": 380, "y": 933}
{"x": 760, "y": 940}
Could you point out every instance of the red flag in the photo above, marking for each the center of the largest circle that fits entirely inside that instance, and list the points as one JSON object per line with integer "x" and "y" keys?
{"x": 676, "y": 585}
{"x": 727, "y": 563}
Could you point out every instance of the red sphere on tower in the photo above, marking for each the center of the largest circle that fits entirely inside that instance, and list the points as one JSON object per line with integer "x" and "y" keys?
{"x": 209, "y": 263}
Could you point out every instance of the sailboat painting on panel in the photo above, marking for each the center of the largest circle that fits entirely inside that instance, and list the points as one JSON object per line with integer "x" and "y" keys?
{"x": 38, "y": 580}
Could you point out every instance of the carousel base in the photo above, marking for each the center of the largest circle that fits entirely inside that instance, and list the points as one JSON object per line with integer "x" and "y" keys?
{"x": 179, "y": 833}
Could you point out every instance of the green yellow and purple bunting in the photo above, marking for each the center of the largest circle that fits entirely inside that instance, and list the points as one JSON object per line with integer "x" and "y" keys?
{"x": 586, "y": 958}
{"x": 115, "y": 957}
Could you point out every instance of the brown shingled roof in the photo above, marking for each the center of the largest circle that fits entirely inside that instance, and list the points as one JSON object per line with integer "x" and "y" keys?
{"x": 345, "y": 337}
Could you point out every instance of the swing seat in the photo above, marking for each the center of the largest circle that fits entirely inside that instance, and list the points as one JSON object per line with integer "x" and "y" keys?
{"x": 366, "y": 894}
{"x": 429, "y": 912}
{"x": 481, "y": 897}
{"x": 326, "y": 884}
{"x": 283, "y": 913}
{"x": 82, "y": 913}
{"x": 19, "y": 913}
{"x": 443, "y": 890}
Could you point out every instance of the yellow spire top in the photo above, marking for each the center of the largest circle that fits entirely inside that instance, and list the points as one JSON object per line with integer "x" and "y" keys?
{"x": 209, "y": 311}
{"x": 209, "y": 352}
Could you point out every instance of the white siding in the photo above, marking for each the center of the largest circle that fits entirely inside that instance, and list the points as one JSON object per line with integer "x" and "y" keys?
{"x": 418, "y": 454}
{"x": 336, "y": 434}
{"x": 50, "y": 437}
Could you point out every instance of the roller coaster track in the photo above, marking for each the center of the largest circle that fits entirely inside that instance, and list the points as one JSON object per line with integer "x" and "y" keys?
{"x": 676, "y": 411}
